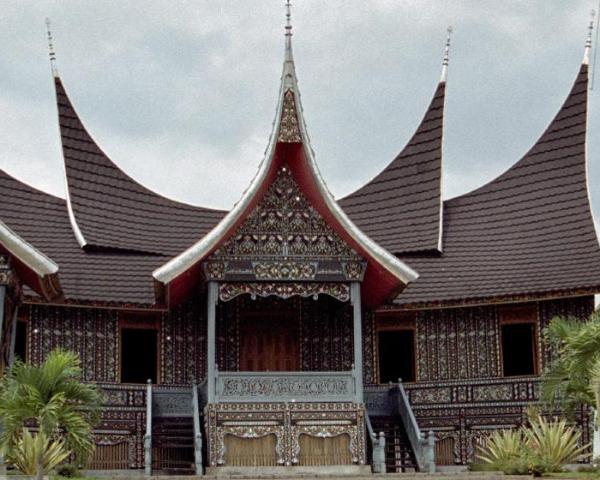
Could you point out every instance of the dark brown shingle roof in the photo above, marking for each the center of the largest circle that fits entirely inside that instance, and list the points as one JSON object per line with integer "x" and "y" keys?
{"x": 42, "y": 220}
{"x": 114, "y": 211}
{"x": 529, "y": 231}
{"x": 400, "y": 208}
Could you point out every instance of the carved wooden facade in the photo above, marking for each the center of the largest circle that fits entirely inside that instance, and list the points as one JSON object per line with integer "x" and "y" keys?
{"x": 459, "y": 392}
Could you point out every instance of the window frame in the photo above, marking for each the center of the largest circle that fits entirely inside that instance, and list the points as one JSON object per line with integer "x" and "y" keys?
{"x": 520, "y": 315}
{"x": 392, "y": 322}
{"x": 139, "y": 321}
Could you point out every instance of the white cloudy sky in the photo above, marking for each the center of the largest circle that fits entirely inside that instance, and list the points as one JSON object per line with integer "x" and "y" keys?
{"x": 181, "y": 95}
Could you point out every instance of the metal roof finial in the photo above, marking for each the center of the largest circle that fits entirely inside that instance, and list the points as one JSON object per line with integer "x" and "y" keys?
{"x": 288, "y": 30}
{"x": 446, "y": 56}
{"x": 51, "y": 52}
{"x": 588, "y": 40}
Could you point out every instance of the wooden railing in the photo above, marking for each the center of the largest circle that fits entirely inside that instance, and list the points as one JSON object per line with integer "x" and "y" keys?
{"x": 197, "y": 430}
{"x": 377, "y": 447}
{"x": 424, "y": 448}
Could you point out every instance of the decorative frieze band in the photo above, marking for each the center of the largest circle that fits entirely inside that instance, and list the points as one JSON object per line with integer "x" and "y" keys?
{"x": 230, "y": 290}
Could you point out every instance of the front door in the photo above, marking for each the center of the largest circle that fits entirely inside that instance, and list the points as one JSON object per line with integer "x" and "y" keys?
{"x": 269, "y": 343}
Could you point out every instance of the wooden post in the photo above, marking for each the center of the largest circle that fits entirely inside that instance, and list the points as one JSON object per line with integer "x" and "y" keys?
{"x": 197, "y": 431}
{"x": 148, "y": 435}
{"x": 357, "y": 320}
{"x": 211, "y": 300}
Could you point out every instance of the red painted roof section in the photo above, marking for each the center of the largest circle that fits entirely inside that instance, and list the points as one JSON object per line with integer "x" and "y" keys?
{"x": 529, "y": 231}
{"x": 400, "y": 208}
{"x": 114, "y": 211}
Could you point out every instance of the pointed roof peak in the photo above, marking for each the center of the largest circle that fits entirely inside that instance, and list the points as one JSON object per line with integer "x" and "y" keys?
{"x": 446, "y": 56}
{"x": 588, "y": 40}
{"x": 288, "y": 62}
{"x": 51, "y": 52}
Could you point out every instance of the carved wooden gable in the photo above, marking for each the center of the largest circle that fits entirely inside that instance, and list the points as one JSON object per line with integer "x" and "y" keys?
{"x": 284, "y": 238}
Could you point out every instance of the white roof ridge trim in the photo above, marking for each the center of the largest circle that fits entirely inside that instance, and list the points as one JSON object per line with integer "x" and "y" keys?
{"x": 26, "y": 253}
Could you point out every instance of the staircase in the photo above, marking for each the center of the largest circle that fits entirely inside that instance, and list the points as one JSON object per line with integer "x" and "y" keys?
{"x": 399, "y": 455}
{"x": 173, "y": 445}
{"x": 173, "y": 439}
{"x": 406, "y": 448}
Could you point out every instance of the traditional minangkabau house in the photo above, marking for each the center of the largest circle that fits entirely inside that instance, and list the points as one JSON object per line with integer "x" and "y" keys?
{"x": 275, "y": 334}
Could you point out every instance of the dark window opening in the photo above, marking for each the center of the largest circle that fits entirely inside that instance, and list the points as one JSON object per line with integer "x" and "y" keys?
{"x": 396, "y": 356}
{"x": 138, "y": 355}
{"x": 518, "y": 349}
{"x": 21, "y": 341}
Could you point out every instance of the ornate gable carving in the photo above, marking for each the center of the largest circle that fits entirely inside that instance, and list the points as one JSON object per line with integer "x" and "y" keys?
{"x": 289, "y": 130}
{"x": 284, "y": 238}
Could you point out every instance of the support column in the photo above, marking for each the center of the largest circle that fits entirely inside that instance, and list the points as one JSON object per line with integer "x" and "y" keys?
{"x": 357, "y": 321}
{"x": 211, "y": 305}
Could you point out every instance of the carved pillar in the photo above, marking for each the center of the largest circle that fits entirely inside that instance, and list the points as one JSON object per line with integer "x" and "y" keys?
{"x": 211, "y": 304}
{"x": 357, "y": 322}
{"x": 9, "y": 300}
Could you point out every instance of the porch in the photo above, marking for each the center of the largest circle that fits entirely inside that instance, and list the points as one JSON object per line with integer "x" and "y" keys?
{"x": 288, "y": 417}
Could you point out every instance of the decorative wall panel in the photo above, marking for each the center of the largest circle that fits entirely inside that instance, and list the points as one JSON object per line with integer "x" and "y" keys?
{"x": 369, "y": 347}
{"x": 327, "y": 335}
{"x": 91, "y": 333}
{"x": 183, "y": 345}
{"x": 457, "y": 343}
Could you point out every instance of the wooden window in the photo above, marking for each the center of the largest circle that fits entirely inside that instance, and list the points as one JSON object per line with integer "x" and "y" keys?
{"x": 396, "y": 347}
{"x": 518, "y": 338}
{"x": 21, "y": 340}
{"x": 139, "y": 349}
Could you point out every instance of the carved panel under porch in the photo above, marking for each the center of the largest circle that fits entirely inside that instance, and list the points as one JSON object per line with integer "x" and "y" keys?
{"x": 285, "y": 425}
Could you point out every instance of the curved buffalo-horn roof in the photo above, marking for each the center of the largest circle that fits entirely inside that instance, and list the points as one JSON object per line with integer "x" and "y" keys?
{"x": 401, "y": 208}
{"x": 385, "y": 272}
{"x": 110, "y": 210}
{"x": 527, "y": 233}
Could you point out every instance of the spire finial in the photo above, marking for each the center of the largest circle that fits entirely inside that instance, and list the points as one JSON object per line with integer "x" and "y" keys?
{"x": 288, "y": 30}
{"x": 446, "y": 55}
{"x": 51, "y": 52}
{"x": 588, "y": 40}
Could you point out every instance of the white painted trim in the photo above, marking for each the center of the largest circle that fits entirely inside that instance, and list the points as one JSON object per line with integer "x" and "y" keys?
{"x": 26, "y": 253}
{"x": 176, "y": 266}
{"x": 76, "y": 230}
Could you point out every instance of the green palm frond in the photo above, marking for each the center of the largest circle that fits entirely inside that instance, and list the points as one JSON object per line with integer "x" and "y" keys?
{"x": 51, "y": 397}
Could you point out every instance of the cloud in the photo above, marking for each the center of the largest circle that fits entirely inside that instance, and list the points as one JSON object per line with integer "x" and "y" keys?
{"x": 182, "y": 94}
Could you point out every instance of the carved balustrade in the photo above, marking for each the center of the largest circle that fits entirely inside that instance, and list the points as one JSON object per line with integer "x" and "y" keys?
{"x": 233, "y": 387}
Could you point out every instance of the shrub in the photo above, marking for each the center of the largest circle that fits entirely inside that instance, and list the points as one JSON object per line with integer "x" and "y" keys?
{"x": 543, "y": 447}
{"x": 551, "y": 445}
{"x": 503, "y": 451}
{"x": 32, "y": 454}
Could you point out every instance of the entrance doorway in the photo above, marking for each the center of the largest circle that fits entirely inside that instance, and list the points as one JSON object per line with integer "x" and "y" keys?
{"x": 269, "y": 343}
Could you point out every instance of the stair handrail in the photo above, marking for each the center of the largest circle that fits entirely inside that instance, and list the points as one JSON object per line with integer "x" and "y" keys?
{"x": 197, "y": 430}
{"x": 424, "y": 448}
{"x": 377, "y": 445}
{"x": 148, "y": 435}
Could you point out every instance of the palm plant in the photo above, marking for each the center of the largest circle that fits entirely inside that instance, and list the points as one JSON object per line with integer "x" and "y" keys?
{"x": 573, "y": 377}
{"x": 552, "y": 444}
{"x": 503, "y": 450}
{"x": 542, "y": 447}
{"x": 32, "y": 454}
{"x": 51, "y": 399}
